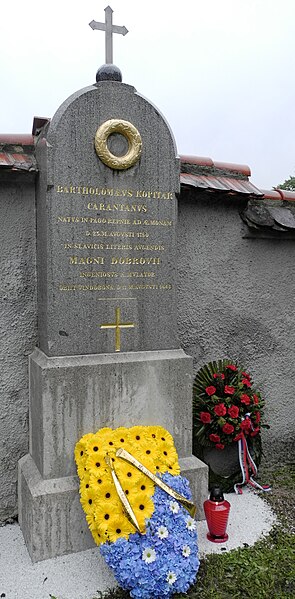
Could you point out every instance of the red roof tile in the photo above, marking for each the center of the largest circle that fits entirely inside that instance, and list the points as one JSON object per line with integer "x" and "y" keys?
{"x": 17, "y": 153}
{"x": 17, "y": 162}
{"x": 198, "y": 160}
{"x": 215, "y": 183}
{"x": 21, "y": 139}
{"x": 278, "y": 194}
{"x": 243, "y": 169}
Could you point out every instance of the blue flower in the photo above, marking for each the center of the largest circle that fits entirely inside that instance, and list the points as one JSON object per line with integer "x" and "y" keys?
{"x": 155, "y": 565}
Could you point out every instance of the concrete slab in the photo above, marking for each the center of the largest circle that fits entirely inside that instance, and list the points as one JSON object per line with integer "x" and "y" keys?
{"x": 81, "y": 575}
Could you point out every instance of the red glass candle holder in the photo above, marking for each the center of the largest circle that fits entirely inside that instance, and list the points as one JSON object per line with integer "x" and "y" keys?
{"x": 217, "y": 512}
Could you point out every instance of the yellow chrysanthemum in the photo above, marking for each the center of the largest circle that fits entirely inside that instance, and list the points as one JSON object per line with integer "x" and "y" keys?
{"x": 143, "y": 508}
{"x": 174, "y": 469}
{"x": 106, "y": 514}
{"x": 102, "y": 529}
{"x": 146, "y": 453}
{"x": 98, "y": 537}
{"x": 165, "y": 436}
{"x": 128, "y": 487}
{"x": 80, "y": 453}
{"x": 115, "y": 459}
{"x": 160, "y": 467}
{"x": 104, "y": 431}
{"x": 145, "y": 485}
{"x": 121, "y": 527}
{"x": 88, "y": 500}
{"x": 95, "y": 482}
{"x": 109, "y": 444}
{"x": 95, "y": 463}
{"x": 91, "y": 521}
{"x": 93, "y": 445}
{"x": 137, "y": 434}
{"x": 127, "y": 473}
{"x": 121, "y": 436}
{"x": 159, "y": 434}
{"x": 82, "y": 471}
{"x": 167, "y": 454}
{"x": 85, "y": 482}
{"x": 108, "y": 493}
{"x": 108, "y": 440}
{"x": 152, "y": 432}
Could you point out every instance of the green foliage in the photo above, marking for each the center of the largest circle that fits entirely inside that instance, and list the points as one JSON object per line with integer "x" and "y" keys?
{"x": 266, "y": 570}
{"x": 289, "y": 184}
{"x": 223, "y": 394}
{"x": 233, "y": 375}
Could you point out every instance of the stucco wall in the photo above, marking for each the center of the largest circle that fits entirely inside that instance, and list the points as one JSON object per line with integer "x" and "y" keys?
{"x": 18, "y": 331}
{"x": 236, "y": 299}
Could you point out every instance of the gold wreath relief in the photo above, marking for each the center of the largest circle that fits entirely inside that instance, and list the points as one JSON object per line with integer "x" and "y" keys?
{"x": 130, "y": 133}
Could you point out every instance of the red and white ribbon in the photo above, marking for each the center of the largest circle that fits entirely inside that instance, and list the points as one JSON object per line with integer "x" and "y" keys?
{"x": 248, "y": 468}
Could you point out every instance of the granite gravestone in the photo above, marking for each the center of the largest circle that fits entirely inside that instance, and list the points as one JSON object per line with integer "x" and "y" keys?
{"x": 106, "y": 259}
{"x": 106, "y": 237}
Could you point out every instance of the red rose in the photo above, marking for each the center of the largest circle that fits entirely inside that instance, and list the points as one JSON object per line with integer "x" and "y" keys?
{"x": 233, "y": 411}
{"x": 229, "y": 390}
{"x": 246, "y": 382}
{"x": 246, "y": 425}
{"x": 214, "y": 438}
{"x": 245, "y": 399}
{"x": 255, "y": 432}
{"x": 246, "y": 375}
{"x": 219, "y": 446}
{"x": 255, "y": 398}
{"x": 205, "y": 417}
{"x": 210, "y": 390}
{"x": 228, "y": 429}
{"x": 257, "y": 417}
{"x": 219, "y": 375}
{"x": 232, "y": 367}
{"x": 238, "y": 437}
{"x": 220, "y": 409}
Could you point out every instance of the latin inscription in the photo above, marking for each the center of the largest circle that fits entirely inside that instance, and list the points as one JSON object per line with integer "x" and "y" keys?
{"x": 122, "y": 193}
{"x": 114, "y": 221}
{"x": 127, "y": 250}
{"x": 117, "y": 207}
{"x": 112, "y": 246}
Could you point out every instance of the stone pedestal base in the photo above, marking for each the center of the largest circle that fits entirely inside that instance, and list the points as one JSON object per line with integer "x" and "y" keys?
{"x": 51, "y": 517}
{"x": 74, "y": 395}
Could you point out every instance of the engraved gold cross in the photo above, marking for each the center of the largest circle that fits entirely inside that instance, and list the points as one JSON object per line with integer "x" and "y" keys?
{"x": 118, "y": 326}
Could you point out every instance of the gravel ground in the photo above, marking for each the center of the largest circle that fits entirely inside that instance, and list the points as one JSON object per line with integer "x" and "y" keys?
{"x": 81, "y": 575}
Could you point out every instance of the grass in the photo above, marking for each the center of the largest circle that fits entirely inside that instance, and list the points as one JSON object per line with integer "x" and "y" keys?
{"x": 265, "y": 570}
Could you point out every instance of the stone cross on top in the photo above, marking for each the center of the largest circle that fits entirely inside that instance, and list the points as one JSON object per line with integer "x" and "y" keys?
{"x": 109, "y": 29}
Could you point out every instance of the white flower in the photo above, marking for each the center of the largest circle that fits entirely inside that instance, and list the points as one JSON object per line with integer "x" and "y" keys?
{"x": 171, "y": 577}
{"x": 149, "y": 555}
{"x": 174, "y": 507}
{"x": 191, "y": 524}
{"x": 186, "y": 551}
{"x": 162, "y": 532}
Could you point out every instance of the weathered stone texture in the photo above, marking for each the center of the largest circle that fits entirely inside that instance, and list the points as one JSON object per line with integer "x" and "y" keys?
{"x": 76, "y": 184}
{"x": 72, "y": 395}
{"x": 18, "y": 331}
{"x": 51, "y": 516}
